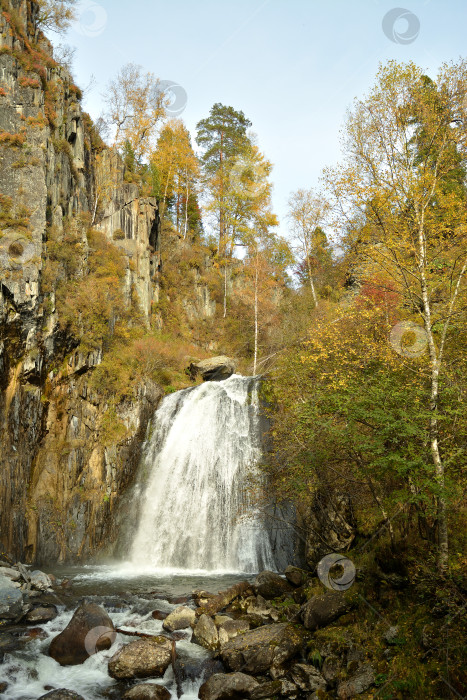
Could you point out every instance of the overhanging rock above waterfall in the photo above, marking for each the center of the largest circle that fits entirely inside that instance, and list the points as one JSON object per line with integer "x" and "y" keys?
{"x": 213, "y": 369}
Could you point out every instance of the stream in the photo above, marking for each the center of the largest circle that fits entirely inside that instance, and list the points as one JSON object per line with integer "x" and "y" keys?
{"x": 129, "y": 596}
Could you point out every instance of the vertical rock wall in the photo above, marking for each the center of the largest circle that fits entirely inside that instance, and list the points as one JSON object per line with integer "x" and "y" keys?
{"x": 59, "y": 479}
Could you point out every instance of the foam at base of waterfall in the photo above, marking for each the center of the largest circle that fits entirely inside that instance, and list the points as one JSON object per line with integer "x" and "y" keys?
{"x": 195, "y": 513}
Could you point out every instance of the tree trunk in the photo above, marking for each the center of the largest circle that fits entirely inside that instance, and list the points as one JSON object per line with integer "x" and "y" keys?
{"x": 256, "y": 317}
{"x": 313, "y": 291}
{"x": 443, "y": 543}
{"x": 186, "y": 205}
{"x": 225, "y": 289}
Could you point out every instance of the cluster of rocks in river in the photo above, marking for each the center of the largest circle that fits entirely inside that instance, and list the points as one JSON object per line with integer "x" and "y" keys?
{"x": 22, "y": 595}
{"x": 260, "y": 635}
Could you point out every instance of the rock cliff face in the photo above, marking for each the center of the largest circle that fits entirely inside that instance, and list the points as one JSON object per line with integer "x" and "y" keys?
{"x": 60, "y": 480}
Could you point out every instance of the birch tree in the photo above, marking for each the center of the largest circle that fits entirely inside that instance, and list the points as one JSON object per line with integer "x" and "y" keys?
{"x": 307, "y": 214}
{"x": 400, "y": 202}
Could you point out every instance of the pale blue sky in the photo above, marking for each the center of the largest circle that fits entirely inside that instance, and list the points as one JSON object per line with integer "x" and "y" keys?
{"x": 292, "y": 66}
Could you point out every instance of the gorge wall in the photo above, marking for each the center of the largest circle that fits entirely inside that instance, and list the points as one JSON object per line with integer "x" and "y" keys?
{"x": 61, "y": 475}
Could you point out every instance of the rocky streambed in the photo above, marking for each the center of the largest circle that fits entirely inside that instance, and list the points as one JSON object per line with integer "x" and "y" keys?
{"x": 104, "y": 632}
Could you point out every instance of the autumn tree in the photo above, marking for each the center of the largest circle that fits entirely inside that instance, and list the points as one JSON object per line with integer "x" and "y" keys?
{"x": 307, "y": 214}
{"x": 177, "y": 173}
{"x": 55, "y": 15}
{"x": 404, "y": 144}
{"x": 223, "y": 138}
{"x": 135, "y": 107}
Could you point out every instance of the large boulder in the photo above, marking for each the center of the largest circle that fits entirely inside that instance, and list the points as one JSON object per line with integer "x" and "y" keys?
{"x": 214, "y": 369}
{"x": 142, "y": 659}
{"x": 90, "y": 630}
{"x": 261, "y": 649}
{"x": 179, "y": 619}
{"x": 270, "y": 585}
{"x": 228, "y": 686}
{"x": 11, "y": 599}
{"x": 321, "y": 610}
{"x": 205, "y": 633}
{"x": 62, "y": 694}
{"x": 147, "y": 691}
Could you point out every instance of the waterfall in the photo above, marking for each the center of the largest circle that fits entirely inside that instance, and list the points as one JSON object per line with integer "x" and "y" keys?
{"x": 195, "y": 512}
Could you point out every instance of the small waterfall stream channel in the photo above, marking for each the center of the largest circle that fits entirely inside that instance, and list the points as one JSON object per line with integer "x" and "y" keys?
{"x": 192, "y": 526}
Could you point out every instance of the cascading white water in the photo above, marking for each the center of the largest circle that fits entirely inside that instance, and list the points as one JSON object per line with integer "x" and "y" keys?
{"x": 195, "y": 510}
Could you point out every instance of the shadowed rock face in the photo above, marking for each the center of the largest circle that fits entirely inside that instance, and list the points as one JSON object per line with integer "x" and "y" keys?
{"x": 60, "y": 485}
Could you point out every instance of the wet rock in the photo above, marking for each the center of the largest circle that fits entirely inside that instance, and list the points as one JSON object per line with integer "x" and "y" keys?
{"x": 270, "y": 585}
{"x": 228, "y": 686}
{"x": 179, "y": 619}
{"x": 324, "y": 609}
{"x": 359, "y": 683}
{"x": 307, "y": 677}
{"x": 11, "y": 599}
{"x": 261, "y": 649}
{"x": 3, "y": 687}
{"x": 229, "y": 629}
{"x": 295, "y": 576}
{"x": 142, "y": 659}
{"x": 42, "y": 614}
{"x": 8, "y": 643}
{"x": 36, "y": 633}
{"x": 62, "y": 694}
{"x": 90, "y": 630}
{"x": 147, "y": 691}
{"x": 214, "y": 369}
{"x": 40, "y": 581}
{"x": 267, "y": 690}
{"x": 205, "y": 633}
{"x": 159, "y": 615}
